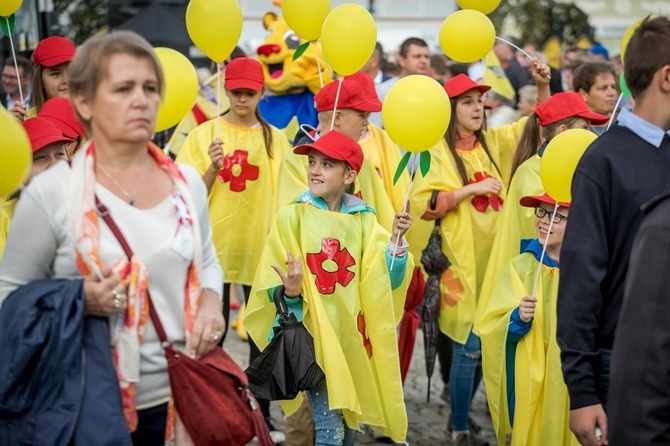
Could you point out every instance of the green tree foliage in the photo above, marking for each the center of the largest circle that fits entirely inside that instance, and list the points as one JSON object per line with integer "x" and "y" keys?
{"x": 82, "y": 18}
{"x": 540, "y": 19}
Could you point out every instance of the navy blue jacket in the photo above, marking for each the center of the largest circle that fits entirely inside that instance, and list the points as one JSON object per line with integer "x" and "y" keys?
{"x": 58, "y": 385}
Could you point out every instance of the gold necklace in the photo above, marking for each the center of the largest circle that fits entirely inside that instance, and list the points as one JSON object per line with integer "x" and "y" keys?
{"x": 130, "y": 196}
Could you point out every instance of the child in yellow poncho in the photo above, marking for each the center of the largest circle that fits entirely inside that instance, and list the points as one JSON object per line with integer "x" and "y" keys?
{"x": 522, "y": 366}
{"x": 469, "y": 172}
{"x": 561, "y": 112}
{"x": 348, "y": 297}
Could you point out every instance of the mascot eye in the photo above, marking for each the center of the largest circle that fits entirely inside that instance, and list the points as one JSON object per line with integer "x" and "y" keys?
{"x": 292, "y": 40}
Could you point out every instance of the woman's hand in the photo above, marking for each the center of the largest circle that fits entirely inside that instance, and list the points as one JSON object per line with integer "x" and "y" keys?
{"x": 401, "y": 223}
{"x": 540, "y": 72}
{"x": 19, "y": 111}
{"x": 215, "y": 152}
{"x": 292, "y": 279}
{"x": 527, "y": 308}
{"x": 104, "y": 297}
{"x": 208, "y": 326}
{"x": 487, "y": 186}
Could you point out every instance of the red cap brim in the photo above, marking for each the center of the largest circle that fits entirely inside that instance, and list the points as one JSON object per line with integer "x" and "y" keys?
{"x": 249, "y": 84}
{"x": 595, "y": 118}
{"x": 44, "y": 141}
{"x": 533, "y": 201}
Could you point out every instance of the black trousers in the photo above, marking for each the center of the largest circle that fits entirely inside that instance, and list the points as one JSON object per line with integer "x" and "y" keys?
{"x": 254, "y": 351}
{"x": 151, "y": 426}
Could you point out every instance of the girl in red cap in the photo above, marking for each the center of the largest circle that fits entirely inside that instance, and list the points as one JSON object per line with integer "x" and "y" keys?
{"x": 468, "y": 178}
{"x": 48, "y": 144}
{"x": 52, "y": 56}
{"x": 522, "y": 366}
{"x": 561, "y": 112}
{"x": 240, "y": 171}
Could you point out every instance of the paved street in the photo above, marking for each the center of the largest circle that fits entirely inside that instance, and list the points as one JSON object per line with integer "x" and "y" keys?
{"x": 427, "y": 421}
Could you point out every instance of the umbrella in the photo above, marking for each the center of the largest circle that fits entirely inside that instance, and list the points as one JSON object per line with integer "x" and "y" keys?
{"x": 410, "y": 321}
{"x": 288, "y": 364}
{"x": 435, "y": 262}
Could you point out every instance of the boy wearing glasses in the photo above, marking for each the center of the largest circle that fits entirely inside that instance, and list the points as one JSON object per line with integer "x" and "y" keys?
{"x": 521, "y": 358}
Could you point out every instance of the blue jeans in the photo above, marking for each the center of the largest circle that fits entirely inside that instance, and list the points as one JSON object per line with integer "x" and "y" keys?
{"x": 464, "y": 378}
{"x": 329, "y": 425}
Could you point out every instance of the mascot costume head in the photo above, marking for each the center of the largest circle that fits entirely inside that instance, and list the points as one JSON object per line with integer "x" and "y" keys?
{"x": 290, "y": 84}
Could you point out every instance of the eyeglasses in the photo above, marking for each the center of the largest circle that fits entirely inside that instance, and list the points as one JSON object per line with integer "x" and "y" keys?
{"x": 540, "y": 212}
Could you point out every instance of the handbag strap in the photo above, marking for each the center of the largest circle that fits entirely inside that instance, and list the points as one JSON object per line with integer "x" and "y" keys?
{"x": 105, "y": 215}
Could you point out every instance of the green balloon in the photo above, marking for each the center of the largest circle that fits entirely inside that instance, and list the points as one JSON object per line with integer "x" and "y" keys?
{"x": 624, "y": 88}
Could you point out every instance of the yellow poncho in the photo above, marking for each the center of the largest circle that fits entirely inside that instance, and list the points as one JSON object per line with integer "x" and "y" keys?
{"x": 385, "y": 156}
{"x": 240, "y": 209}
{"x": 6, "y": 214}
{"x": 515, "y": 223}
{"x": 292, "y": 181}
{"x": 467, "y": 233}
{"x": 541, "y": 411}
{"x": 353, "y": 321}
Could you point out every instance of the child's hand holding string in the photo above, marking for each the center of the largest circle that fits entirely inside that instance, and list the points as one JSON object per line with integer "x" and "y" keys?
{"x": 292, "y": 279}
{"x": 401, "y": 223}
{"x": 527, "y": 308}
{"x": 215, "y": 152}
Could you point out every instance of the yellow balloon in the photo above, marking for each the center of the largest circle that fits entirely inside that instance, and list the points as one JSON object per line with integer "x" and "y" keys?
{"x": 483, "y": 6}
{"x": 181, "y": 88}
{"x": 467, "y": 36}
{"x": 559, "y": 162}
{"x": 305, "y": 17}
{"x": 15, "y": 153}
{"x": 348, "y": 38}
{"x": 214, "y": 26}
{"x": 416, "y": 112}
{"x": 626, "y": 38}
{"x": 9, "y": 7}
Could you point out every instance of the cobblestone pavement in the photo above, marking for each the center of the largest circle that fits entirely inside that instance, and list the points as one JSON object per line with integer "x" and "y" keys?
{"x": 427, "y": 421}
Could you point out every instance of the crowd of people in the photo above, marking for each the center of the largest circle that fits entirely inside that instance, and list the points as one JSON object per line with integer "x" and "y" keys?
{"x": 318, "y": 219}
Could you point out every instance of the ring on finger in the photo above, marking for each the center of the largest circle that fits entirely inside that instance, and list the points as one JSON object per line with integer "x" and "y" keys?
{"x": 117, "y": 303}
{"x": 216, "y": 335}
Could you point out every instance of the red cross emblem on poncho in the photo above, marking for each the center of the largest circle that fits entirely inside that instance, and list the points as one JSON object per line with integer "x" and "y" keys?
{"x": 481, "y": 202}
{"x": 366, "y": 341}
{"x": 337, "y": 272}
{"x": 237, "y": 170}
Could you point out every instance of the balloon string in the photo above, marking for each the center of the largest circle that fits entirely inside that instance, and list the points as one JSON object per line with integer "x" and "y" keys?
{"x": 16, "y": 65}
{"x": 59, "y": 225}
{"x": 412, "y": 159}
{"x": 218, "y": 101}
{"x": 337, "y": 99}
{"x": 544, "y": 248}
{"x": 512, "y": 45}
{"x": 519, "y": 49}
{"x": 318, "y": 63}
{"x": 616, "y": 107}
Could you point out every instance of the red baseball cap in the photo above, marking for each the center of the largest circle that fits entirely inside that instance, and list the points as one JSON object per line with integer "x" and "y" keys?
{"x": 244, "y": 72}
{"x": 54, "y": 51}
{"x": 351, "y": 96}
{"x": 42, "y": 133}
{"x": 461, "y": 83}
{"x": 367, "y": 85}
{"x": 59, "y": 112}
{"x": 533, "y": 201}
{"x": 566, "y": 105}
{"x": 337, "y": 146}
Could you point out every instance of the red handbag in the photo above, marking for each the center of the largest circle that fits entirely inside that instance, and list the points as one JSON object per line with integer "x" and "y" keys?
{"x": 211, "y": 394}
